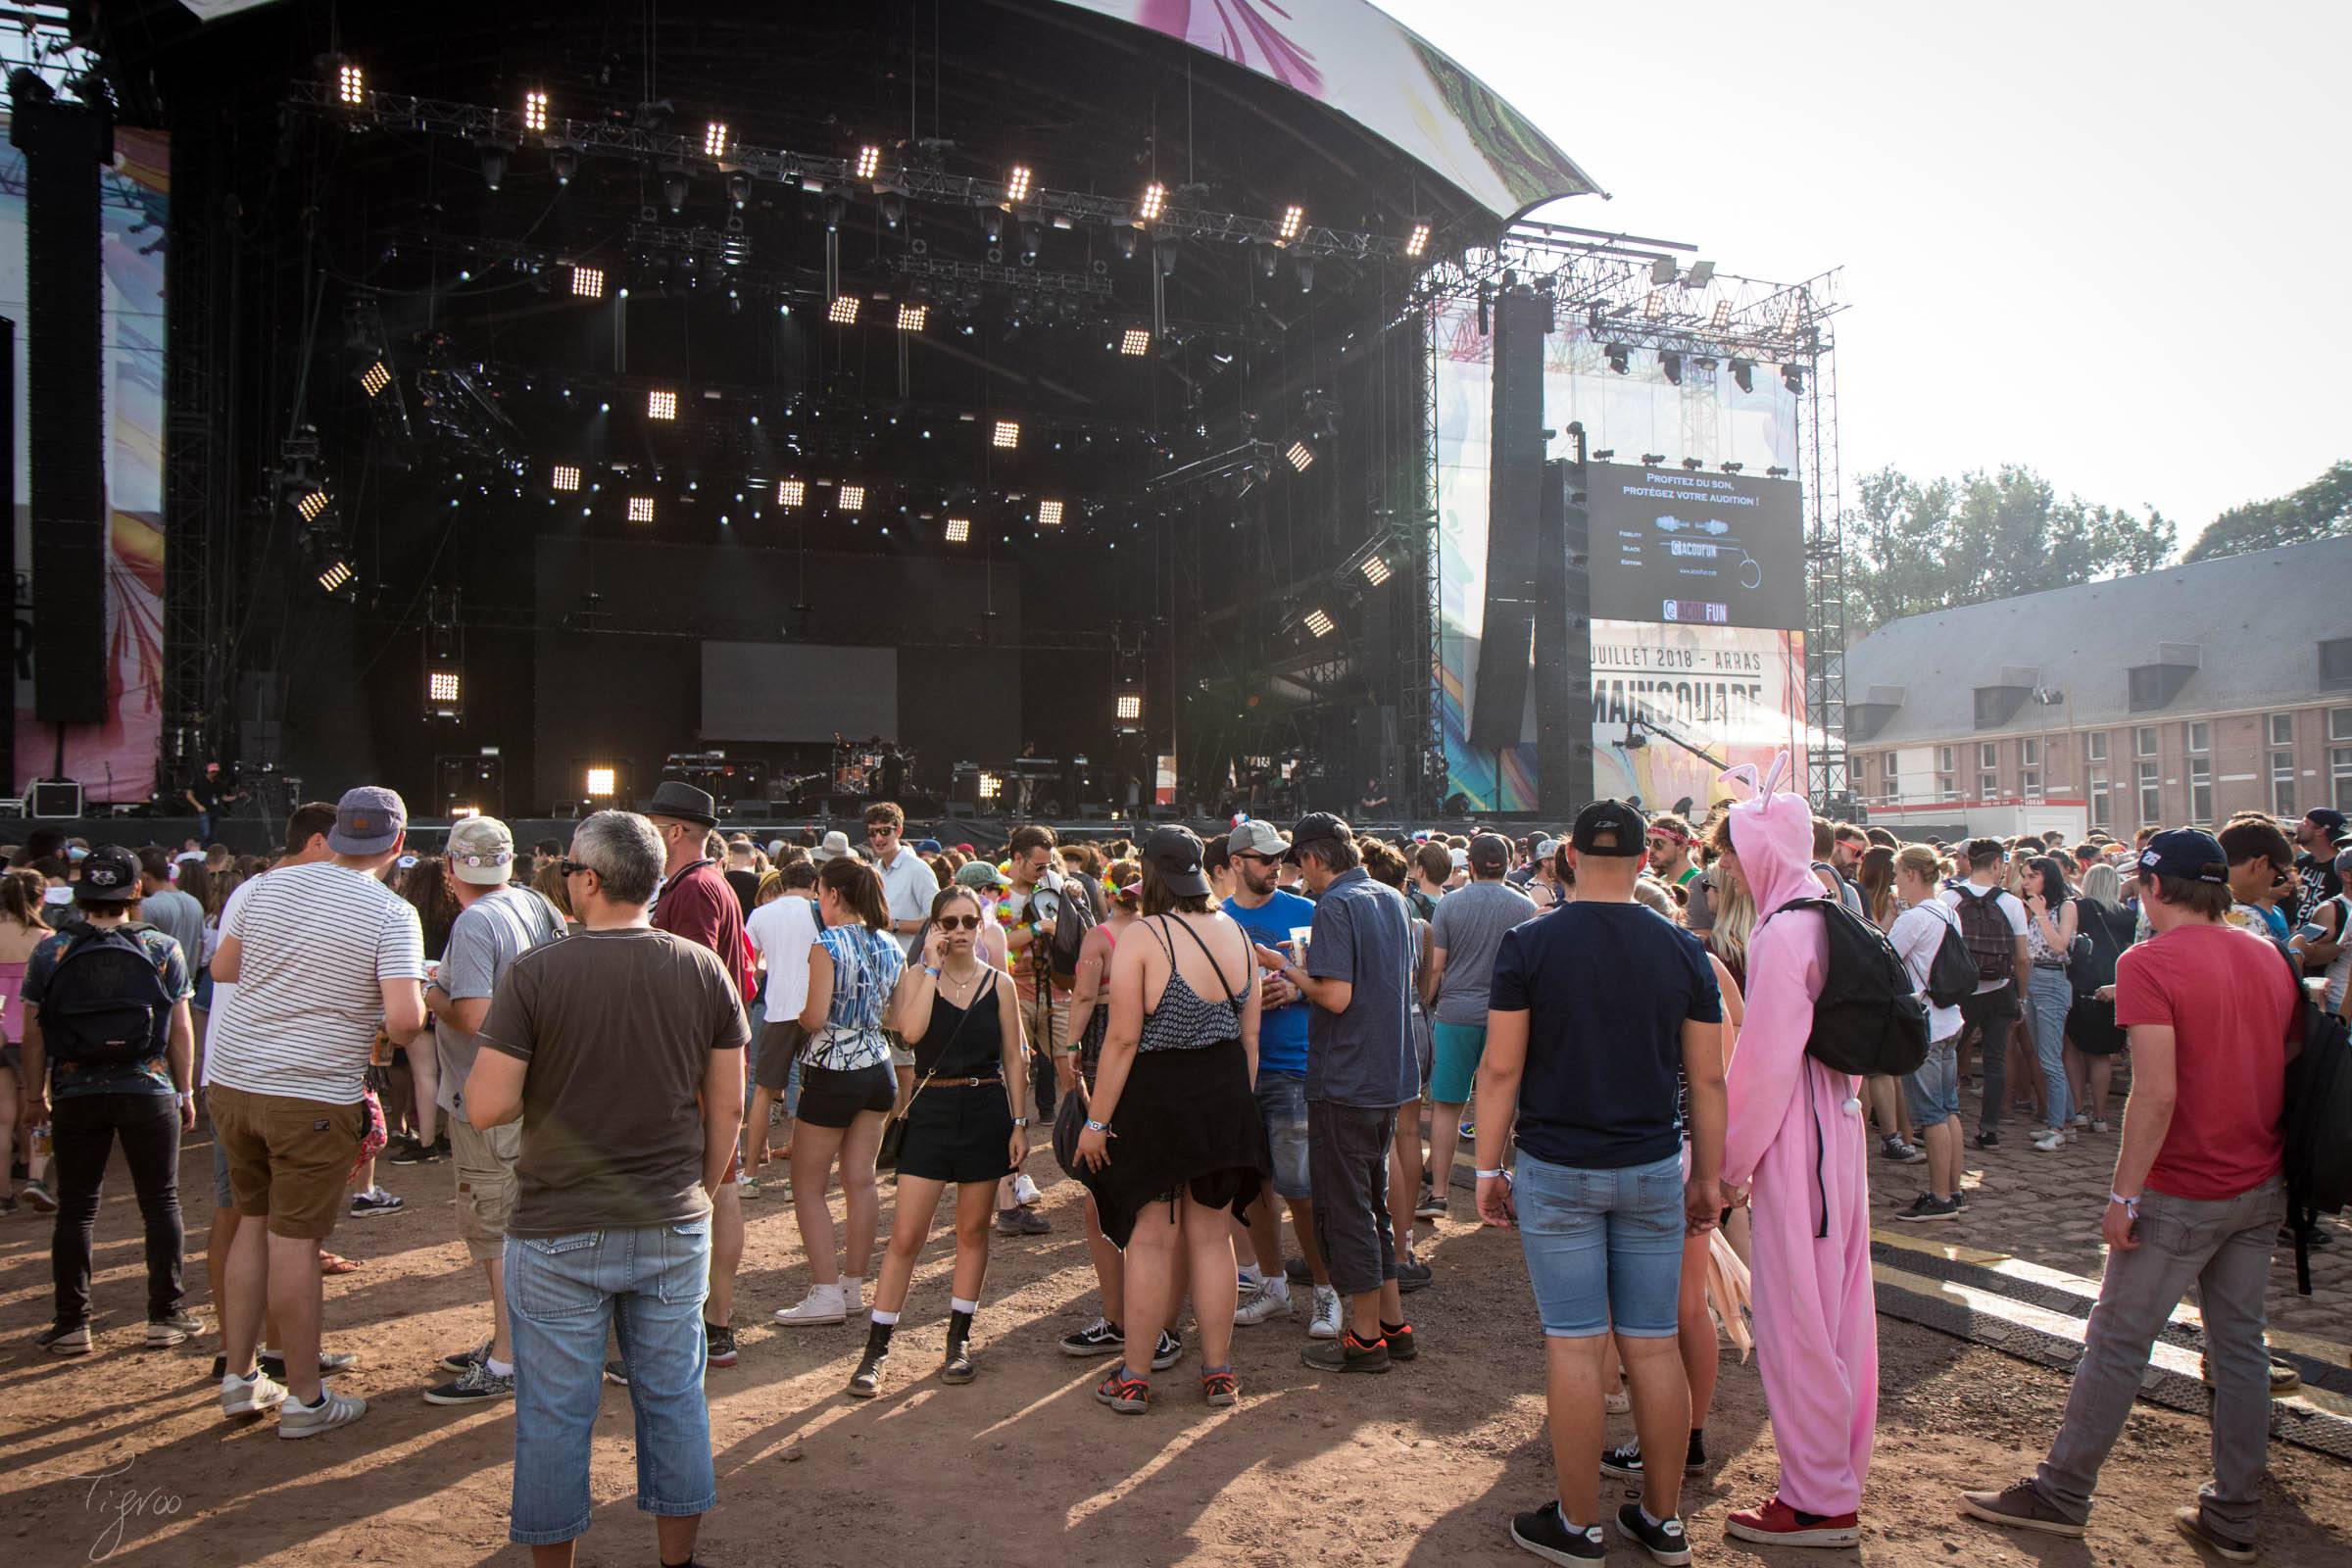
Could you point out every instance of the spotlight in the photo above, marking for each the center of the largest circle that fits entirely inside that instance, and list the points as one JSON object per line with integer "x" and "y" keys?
{"x": 534, "y": 111}
{"x": 494, "y": 165}
{"x": 351, "y": 84}
{"x": 564, "y": 163}
{"x": 336, "y": 576}
{"x": 1128, "y": 708}
{"x": 1265, "y": 258}
{"x": 1007, "y": 435}
{"x": 1122, "y": 239}
{"x": 588, "y": 282}
{"x": 1776, "y": 473}
{"x": 310, "y": 504}
{"x": 375, "y": 378}
{"x": 1419, "y": 241}
{"x": 1306, "y": 274}
{"x": 1620, "y": 358}
{"x": 1302, "y": 456}
{"x": 960, "y": 530}
{"x": 1032, "y": 235}
{"x": 1692, "y": 465}
{"x": 791, "y": 493}
{"x": 1792, "y": 376}
{"x": 913, "y": 316}
{"x": 1651, "y": 460}
{"x": 564, "y": 476}
{"x": 1604, "y": 455}
{"x": 1743, "y": 374}
{"x": 1135, "y": 342}
{"x": 849, "y": 498}
{"x": 1722, "y": 316}
{"x": 739, "y": 189}
{"x": 1653, "y": 306}
{"x": 869, "y": 161}
{"x": 1662, "y": 271}
{"x": 599, "y": 783}
{"x": 1671, "y": 364}
{"x": 441, "y": 688}
{"x": 660, "y": 405}
{"x": 641, "y": 508}
{"x": 844, "y": 311}
{"x": 992, "y": 224}
{"x": 1318, "y": 621}
{"x": 989, "y": 786}
{"x": 1017, "y": 184}
{"x": 1049, "y": 514}
{"x": 1155, "y": 196}
{"x": 837, "y": 206}
{"x": 714, "y": 138}
{"x": 1733, "y": 468}
{"x": 1375, "y": 569}
{"x": 1293, "y": 217}
{"x": 673, "y": 188}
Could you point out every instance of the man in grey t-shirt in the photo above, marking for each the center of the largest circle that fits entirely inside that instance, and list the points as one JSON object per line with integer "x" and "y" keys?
{"x": 163, "y": 906}
{"x": 1463, "y": 939}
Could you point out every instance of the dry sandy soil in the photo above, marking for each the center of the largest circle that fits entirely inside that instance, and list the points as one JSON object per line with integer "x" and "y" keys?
{"x": 123, "y": 1458}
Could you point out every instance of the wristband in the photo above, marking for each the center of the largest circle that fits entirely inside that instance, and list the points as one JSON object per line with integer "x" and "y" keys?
{"x": 932, "y": 973}
{"x": 1489, "y": 1175}
{"x": 1021, "y": 1121}
{"x": 1094, "y": 1126}
{"x": 2130, "y": 1205}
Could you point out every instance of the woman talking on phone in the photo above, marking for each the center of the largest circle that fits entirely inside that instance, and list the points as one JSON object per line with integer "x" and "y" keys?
{"x": 968, "y": 1123}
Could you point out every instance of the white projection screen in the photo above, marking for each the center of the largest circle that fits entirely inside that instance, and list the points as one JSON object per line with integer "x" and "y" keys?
{"x": 799, "y": 692}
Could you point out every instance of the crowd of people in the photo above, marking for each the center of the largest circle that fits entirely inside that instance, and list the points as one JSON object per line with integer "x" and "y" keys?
{"x": 616, "y": 1043}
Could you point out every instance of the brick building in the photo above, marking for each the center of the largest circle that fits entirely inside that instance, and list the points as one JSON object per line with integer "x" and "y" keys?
{"x": 2181, "y": 696}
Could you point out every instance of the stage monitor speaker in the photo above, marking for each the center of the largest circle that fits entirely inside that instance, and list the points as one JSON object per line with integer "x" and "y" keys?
{"x": 54, "y": 797}
{"x": 1514, "y": 481}
{"x": 470, "y": 779}
{"x": 1564, "y": 645}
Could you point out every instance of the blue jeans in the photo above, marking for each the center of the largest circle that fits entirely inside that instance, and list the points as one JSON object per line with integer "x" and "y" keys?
{"x": 562, "y": 1293}
{"x": 1933, "y": 1089}
{"x": 1604, "y": 1248}
{"x": 2049, "y": 996}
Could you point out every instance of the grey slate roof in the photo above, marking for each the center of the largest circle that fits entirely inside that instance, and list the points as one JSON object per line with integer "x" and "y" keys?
{"x": 2256, "y": 622}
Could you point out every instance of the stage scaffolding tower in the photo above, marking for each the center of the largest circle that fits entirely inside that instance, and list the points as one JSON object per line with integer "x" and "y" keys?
{"x": 195, "y": 511}
{"x": 1827, "y": 782}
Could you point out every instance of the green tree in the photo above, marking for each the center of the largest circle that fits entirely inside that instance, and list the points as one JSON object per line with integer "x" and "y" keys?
{"x": 2320, "y": 510}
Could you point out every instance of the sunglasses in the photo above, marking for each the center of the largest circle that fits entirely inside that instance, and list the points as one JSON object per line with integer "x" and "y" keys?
{"x": 572, "y": 867}
{"x": 957, "y": 922}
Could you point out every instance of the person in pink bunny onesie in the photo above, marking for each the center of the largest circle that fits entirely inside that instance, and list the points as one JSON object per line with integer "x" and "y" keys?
{"x": 1794, "y": 1142}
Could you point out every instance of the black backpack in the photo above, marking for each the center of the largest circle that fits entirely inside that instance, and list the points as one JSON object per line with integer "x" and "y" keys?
{"x": 1952, "y": 973}
{"x": 105, "y": 1005}
{"x": 2319, "y": 1121}
{"x": 2103, "y": 933}
{"x": 1079, "y": 911}
{"x": 1867, "y": 1019}
{"x": 1990, "y": 941}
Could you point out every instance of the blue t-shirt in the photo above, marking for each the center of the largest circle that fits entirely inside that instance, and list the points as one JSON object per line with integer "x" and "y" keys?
{"x": 1282, "y": 1033}
{"x": 1606, "y": 988}
{"x": 867, "y": 964}
{"x": 1365, "y": 1057}
{"x": 149, "y": 1076}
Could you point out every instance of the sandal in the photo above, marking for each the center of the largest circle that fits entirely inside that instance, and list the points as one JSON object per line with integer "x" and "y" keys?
{"x": 336, "y": 1263}
{"x": 1220, "y": 1388}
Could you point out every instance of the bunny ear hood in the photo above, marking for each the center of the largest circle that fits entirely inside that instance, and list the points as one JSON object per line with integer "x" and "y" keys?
{"x": 1773, "y": 835}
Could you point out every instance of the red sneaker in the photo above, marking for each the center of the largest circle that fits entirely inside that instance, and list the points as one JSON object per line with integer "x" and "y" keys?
{"x": 1776, "y": 1523}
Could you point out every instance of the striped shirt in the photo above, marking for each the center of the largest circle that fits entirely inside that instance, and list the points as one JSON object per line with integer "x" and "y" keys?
{"x": 317, "y": 939}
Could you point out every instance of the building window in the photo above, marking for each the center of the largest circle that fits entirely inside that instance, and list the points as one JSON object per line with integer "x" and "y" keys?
{"x": 2102, "y": 806}
{"x": 2200, "y": 739}
{"x": 2143, "y": 742}
{"x": 1945, "y": 761}
{"x": 2340, "y": 726}
{"x": 2335, "y": 664}
{"x": 2340, "y": 776}
{"x": 2200, "y": 790}
{"x": 1989, "y": 786}
{"x": 2151, "y": 797}
{"x": 2283, "y": 784}
{"x": 1988, "y": 754}
{"x": 2028, "y": 752}
{"x": 2282, "y": 729}
{"x": 2030, "y": 783}
{"x": 2094, "y": 746}
{"x": 1894, "y": 780}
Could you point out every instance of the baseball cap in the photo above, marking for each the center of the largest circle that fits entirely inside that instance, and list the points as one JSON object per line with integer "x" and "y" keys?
{"x": 978, "y": 874}
{"x": 369, "y": 820}
{"x": 927, "y": 846}
{"x": 1610, "y": 828}
{"x": 1253, "y": 837}
{"x": 482, "y": 851}
{"x": 1489, "y": 854}
{"x": 1544, "y": 848}
{"x": 1461, "y": 859}
{"x": 110, "y": 874}
{"x": 2331, "y": 820}
{"x": 1317, "y": 827}
{"x": 1175, "y": 854}
{"x": 2186, "y": 853}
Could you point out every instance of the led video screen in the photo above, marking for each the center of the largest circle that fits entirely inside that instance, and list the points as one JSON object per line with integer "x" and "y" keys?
{"x": 1687, "y": 548}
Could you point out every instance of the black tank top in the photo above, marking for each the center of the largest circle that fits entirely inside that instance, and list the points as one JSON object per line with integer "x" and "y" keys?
{"x": 954, "y": 1045}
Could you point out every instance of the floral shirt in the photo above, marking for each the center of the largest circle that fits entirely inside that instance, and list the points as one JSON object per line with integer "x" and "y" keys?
{"x": 866, "y": 965}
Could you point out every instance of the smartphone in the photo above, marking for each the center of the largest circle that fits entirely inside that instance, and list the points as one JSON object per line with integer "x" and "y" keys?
{"x": 2311, "y": 931}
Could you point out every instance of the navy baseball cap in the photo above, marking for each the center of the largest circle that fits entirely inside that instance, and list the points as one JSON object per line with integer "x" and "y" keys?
{"x": 110, "y": 874}
{"x": 369, "y": 820}
{"x": 2187, "y": 854}
{"x": 1612, "y": 827}
{"x": 1315, "y": 827}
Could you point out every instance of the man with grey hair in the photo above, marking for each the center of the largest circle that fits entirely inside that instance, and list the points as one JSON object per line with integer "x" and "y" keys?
{"x": 621, "y": 1049}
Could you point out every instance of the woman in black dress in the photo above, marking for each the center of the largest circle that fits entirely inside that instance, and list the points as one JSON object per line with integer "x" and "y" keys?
{"x": 1173, "y": 1091}
{"x": 967, "y": 1124}
{"x": 2093, "y": 1038}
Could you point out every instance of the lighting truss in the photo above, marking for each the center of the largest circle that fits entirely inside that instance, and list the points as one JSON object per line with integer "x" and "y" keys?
{"x": 565, "y": 476}
{"x": 1049, "y": 514}
{"x": 1007, "y": 435}
{"x": 641, "y": 508}
{"x": 792, "y": 494}
{"x": 588, "y": 282}
{"x": 660, "y": 405}
{"x": 844, "y": 310}
{"x": 960, "y": 530}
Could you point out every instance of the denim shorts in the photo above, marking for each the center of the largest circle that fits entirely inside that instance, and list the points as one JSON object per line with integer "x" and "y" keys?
{"x": 1933, "y": 1090}
{"x": 1604, "y": 1248}
{"x": 1282, "y": 1106}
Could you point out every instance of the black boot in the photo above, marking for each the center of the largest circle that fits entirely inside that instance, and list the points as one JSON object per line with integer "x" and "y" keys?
{"x": 959, "y": 1365}
{"x": 866, "y": 1381}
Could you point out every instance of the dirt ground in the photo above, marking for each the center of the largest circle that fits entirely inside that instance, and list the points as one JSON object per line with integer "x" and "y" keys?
{"x": 122, "y": 1457}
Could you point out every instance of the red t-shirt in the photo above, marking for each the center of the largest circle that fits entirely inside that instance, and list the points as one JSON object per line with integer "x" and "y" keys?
{"x": 2226, "y": 995}
{"x": 698, "y": 905}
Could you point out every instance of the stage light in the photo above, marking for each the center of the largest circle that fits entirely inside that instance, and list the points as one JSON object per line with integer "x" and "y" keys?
{"x": 1604, "y": 455}
{"x": 1122, "y": 239}
{"x": 1734, "y": 468}
{"x": 1302, "y": 456}
{"x": 599, "y": 783}
{"x": 564, "y": 476}
{"x": 1135, "y": 342}
{"x": 1155, "y": 197}
{"x": 714, "y": 138}
{"x": 1306, "y": 274}
{"x": 660, "y": 405}
{"x": 869, "y": 161}
{"x": 1651, "y": 460}
{"x": 1662, "y": 271}
{"x": 837, "y": 206}
{"x": 375, "y": 378}
{"x": 960, "y": 530}
{"x": 1793, "y": 316}
{"x": 310, "y": 504}
{"x": 1776, "y": 473}
{"x": 564, "y": 163}
{"x": 1128, "y": 708}
{"x": 1318, "y": 621}
{"x": 791, "y": 493}
{"x": 1007, "y": 435}
{"x": 1792, "y": 376}
{"x": 534, "y": 111}
{"x": 336, "y": 576}
{"x": 1375, "y": 569}
{"x": 989, "y": 786}
{"x": 739, "y": 189}
{"x": 845, "y": 310}
{"x": 1671, "y": 363}
{"x": 1743, "y": 374}
{"x": 913, "y": 316}
{"x": 1419, "y": 241}
{"x": 588, "y": 282}
{"x": 641, "y": 508}
{"x": 1692, "y": 465}
{"x": 441, "y": 688}
{"x": 1653, "y": 306}
{"x": 1267, "y": 258}
{"x": 673, "y": 188}
{"x": 351, "y": 84}
{"x": 1620, "y": 358}
{"x": 849, "y": 498}
{"x": 1293, "y": 217}
{"x": 494, "y": 165}
{"x": 1722, "y": 316}
{"x": 1016, "y": 186}
{"x": 1049, "y": 514}
{"x": 1032, "y": 235}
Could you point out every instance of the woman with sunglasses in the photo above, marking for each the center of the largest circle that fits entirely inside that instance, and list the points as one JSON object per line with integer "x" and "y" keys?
{"x": 967, "y": 1125}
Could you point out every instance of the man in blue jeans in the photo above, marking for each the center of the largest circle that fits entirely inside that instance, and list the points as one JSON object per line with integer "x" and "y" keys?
{"x": 1594, "y": 1012}
{"x": 621, "y": 1050}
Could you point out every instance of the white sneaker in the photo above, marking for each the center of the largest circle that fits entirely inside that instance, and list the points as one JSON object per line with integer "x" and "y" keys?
{"x": 2050, "y": 1142}
{"x": 239, "y": 1396}
{"x": 823, "y": 1305}
{"x": 1326, "y": 1322}
{"x": 852, "y": 1296}
{"x": 1024, "y": 1190}
{"x": 1257, "y": 1306}
{"x": 296, "y": 1420}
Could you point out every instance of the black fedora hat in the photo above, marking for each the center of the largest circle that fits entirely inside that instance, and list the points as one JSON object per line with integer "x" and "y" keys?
{"x": 675, "y": 797}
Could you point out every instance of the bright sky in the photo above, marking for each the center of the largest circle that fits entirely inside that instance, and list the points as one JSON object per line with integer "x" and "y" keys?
{"x": 2099, "y": 240}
